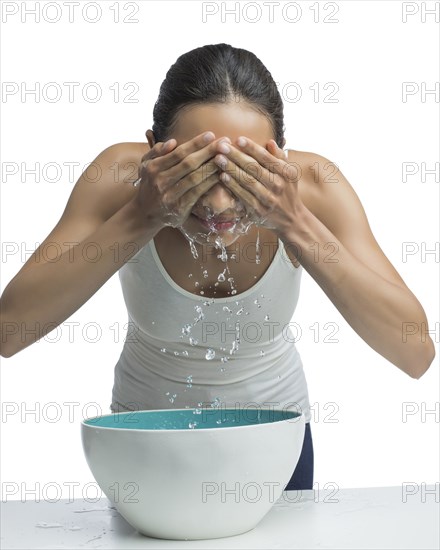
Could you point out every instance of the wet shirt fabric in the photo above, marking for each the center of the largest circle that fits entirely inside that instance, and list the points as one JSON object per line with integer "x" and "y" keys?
{"x": 186, "y": 350}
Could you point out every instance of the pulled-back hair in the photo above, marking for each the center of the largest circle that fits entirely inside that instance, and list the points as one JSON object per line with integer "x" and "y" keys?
{"x": 217, "y": 73}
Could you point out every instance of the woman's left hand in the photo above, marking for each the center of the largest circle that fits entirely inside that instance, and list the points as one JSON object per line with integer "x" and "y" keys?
{"x": 264, "y": 181}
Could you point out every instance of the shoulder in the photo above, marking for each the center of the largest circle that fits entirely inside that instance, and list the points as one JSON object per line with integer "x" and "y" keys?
{"x": 127, "y": 151}
{"x": 323, "y": 187}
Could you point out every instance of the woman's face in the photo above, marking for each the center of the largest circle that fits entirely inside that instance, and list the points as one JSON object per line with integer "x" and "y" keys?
{"x": 224, "y": 119}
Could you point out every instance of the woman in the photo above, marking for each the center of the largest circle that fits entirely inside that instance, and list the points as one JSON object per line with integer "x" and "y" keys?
{"x": 210, "y": 233}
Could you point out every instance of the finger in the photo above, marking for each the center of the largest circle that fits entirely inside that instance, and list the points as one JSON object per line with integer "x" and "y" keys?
{"x": 276, "y": 151}
{"x": 188, "y": 200}
{"x": 195, "y": 178}
{"x": 160, "y": 148}
{"x": 193, "y": 161}
{"x": 253, "y": 156}
{"x": 184, "y": 149}
{"x": 252, "y": 184}
{"x": 251, "y": 203}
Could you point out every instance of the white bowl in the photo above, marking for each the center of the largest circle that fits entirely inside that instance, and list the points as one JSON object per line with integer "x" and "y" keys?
{"x": 172, "y": 479}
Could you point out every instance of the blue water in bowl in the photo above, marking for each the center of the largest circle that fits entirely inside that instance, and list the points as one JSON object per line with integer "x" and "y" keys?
{"x": 185, "y": 419}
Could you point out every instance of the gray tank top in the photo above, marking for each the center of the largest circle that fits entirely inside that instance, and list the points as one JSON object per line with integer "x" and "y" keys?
{"x": 185, "y": 350}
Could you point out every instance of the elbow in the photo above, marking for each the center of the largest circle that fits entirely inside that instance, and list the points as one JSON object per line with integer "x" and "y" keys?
{"x": 423, "y": 361}
{"x": 6, "y": 353}
{"x": 7, "y": 349}
{"x": 8, "y": 340}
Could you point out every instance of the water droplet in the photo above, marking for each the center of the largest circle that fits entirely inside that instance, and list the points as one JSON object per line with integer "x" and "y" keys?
{"x": 234, "y": 347}
{"x": 225, "y": 308}
{"x": 189, "y": 381}
{"x": 224, "y": 359}
{"x": 186, "y": 329}
{"x": 192, "y": 425}
{"x": 266, "y": 317}
{"x": 193, "y": 249}
{"x": 262, "y": 295}
{"x": 190, "y": 275}
{"x": 210, "y": 354}
{"x": 153, "y": 322}
{"x": 197, "y": 283}
{"x": 205, "y": 273}
{"x": 257, "y": 249}
{"x": 262, "y": 353}
{"x": 197, "y": 411}
{"x": 176, "y": 353}
{"x": 233, "y": 256}
{"x": 240, "y": 311}
{"x": 216, "y": 403}
{"x": 163, "y": 350}
{"x": 202, "y": 292}
{"x": 185, "y": 353}
{"x": 233, "y": 291}
{"x": 219, "y": 421}
{"x": 193, "y": 341}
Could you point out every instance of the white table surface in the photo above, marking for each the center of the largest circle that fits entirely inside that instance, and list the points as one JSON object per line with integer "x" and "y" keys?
{"x": 348, "y": 518}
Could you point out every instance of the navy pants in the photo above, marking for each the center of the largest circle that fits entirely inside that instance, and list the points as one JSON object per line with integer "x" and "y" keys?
{"x": 302, "y": 477}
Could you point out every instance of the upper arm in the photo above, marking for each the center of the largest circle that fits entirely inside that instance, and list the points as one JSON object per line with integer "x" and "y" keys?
{"x": 330, "y": 197}
{"x": 102, "y": 189}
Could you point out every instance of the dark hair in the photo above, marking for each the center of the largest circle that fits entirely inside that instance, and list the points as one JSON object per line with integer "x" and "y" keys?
{"x": 217, "y": 73}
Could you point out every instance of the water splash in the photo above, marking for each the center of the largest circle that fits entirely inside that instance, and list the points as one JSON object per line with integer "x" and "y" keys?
{"x": 186, "y": 329}
{"x": 210, "y": 354}
{"x": 257, "y": 249}
{"x": 234, "y": 347}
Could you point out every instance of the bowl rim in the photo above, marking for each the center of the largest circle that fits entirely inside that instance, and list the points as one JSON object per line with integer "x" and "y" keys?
{"x": 299, "y": 416}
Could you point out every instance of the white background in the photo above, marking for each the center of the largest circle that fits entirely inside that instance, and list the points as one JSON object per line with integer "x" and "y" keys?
{"x": 368, "y": 133}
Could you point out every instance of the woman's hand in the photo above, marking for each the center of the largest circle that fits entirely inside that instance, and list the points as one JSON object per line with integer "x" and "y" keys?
{"x": 264, "y": 181}
{"x": 172, "y": 179}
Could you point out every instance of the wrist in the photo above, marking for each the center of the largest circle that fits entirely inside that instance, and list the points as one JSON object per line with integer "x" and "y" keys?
{"x": 143, "y": 223}
{"x": 293, "y": 226}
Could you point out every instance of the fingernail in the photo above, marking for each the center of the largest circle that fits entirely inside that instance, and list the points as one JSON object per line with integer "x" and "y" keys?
{"x": 241, "y": 141}
{"x": 224, "y": 148}
{"x": 209, "y": 136}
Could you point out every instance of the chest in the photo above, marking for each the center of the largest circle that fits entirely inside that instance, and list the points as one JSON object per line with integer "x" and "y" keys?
{"x": 208, "y": 275}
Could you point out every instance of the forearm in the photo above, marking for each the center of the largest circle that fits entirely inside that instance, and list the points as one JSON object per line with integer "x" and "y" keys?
{"x": 375, "y": 308}
{"x": 38, "y": 299}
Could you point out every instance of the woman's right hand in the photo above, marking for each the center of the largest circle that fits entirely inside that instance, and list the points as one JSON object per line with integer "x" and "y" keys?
{"x": 172, "y": 179}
